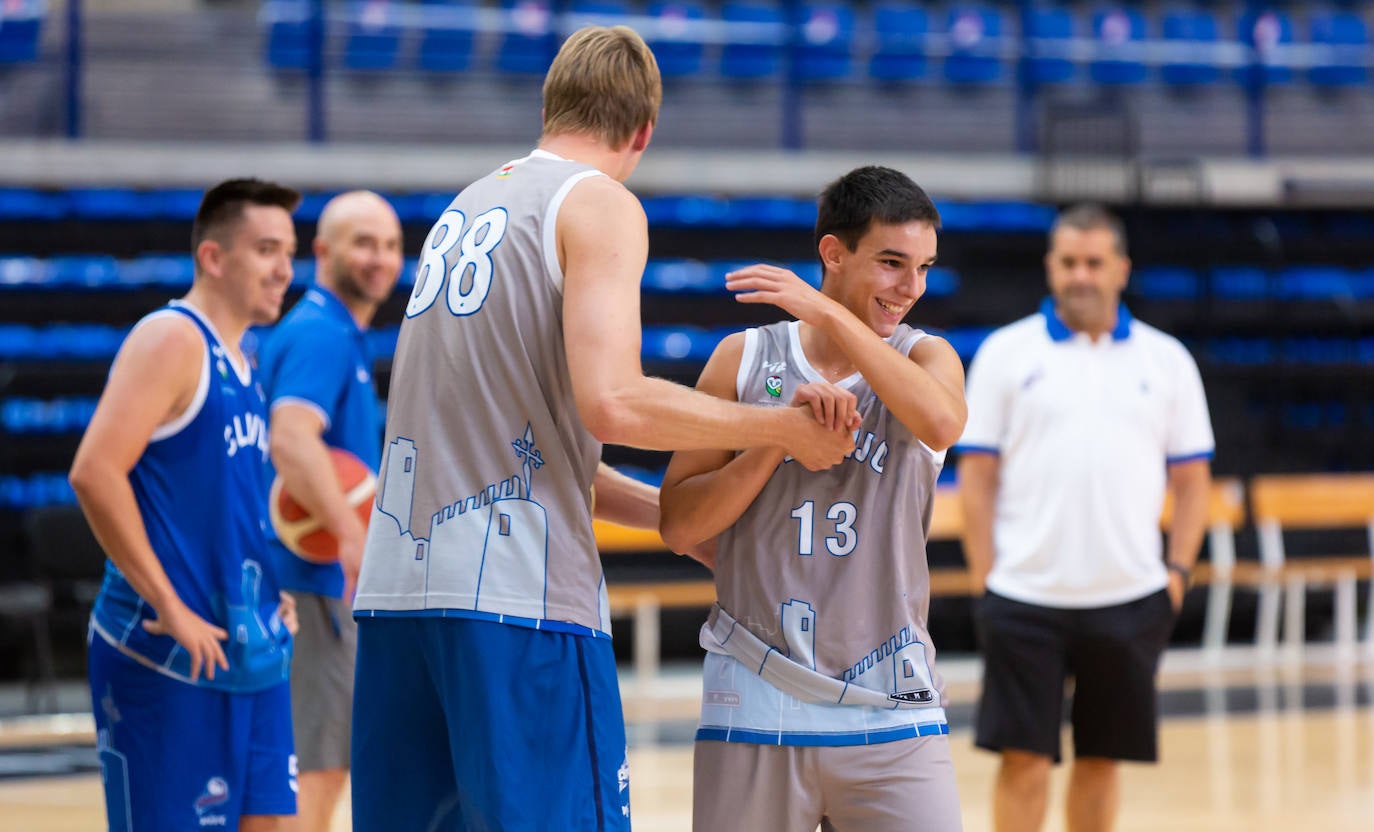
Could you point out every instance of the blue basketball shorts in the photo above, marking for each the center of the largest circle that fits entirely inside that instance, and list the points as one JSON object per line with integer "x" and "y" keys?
{"x": 178, "y": 756}
{"x": 463, "y": 725}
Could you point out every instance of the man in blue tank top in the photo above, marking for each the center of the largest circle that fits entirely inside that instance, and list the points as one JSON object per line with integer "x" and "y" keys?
{"x": 190, "y": 637}
{"x": 317, "y": 372}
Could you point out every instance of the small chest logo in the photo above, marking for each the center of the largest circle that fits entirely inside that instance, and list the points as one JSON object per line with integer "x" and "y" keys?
{"x": 774, "y": 386}
{"x": 505, "y": 172}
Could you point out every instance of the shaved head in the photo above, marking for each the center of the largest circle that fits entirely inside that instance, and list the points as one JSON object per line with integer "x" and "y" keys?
{"x": 358, "y": 249}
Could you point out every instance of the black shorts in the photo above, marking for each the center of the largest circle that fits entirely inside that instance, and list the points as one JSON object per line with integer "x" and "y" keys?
{"x": 1112, "y": 653}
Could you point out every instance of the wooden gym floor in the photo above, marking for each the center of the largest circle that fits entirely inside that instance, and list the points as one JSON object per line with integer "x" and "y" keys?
{"x": 1246, "y": 746}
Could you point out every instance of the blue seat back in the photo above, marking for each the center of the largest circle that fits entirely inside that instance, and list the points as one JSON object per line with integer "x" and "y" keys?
{"x": 447, "y": 36}
{"x": 1343, "y": 40}
{"x": 1268, "y": 33}
{"x": 826, "y": 41}
{"x": 374, "y": 38}
{"x": 1120, "y": 34}
{"x": 755, "y": 51}
{"x": 1192, "y": 33}
{"x": 974, "y": 35}
{"x": 675, "y": 37}
{"x": 1050, "y": 31}
{"x": 899, "y": 34}
{"x": 528, "y": 47}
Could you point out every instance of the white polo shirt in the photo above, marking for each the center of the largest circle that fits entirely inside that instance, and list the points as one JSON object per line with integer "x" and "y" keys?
{"x": 1084, "y": 431}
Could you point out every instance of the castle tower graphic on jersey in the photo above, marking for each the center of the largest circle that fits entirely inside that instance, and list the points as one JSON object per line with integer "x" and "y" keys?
{"x": 494, "y": 543}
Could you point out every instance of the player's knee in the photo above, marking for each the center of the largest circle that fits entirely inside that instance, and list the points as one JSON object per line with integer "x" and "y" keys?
{"x": 1026, "y": 768}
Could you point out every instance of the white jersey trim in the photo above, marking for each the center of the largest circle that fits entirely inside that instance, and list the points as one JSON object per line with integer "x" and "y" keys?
{"x": 551, "y": 221}
{"x": 746, "y": 362}
{"x": 243, "y": 371}
{"x": 297, "y": 401}
{"x": 187, "y": 416}
{"x": 794, "y": 340}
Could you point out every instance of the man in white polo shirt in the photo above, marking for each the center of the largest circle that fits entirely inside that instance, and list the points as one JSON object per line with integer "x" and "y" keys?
{"x": 1080, "y": 419}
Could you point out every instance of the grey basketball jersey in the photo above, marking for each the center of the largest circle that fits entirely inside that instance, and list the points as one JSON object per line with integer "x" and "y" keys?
{"x": 823, "y": 585}
{"x": 483, "y": 504}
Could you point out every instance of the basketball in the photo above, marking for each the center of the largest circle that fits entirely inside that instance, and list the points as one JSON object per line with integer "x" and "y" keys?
{"x": 303, "y": 534}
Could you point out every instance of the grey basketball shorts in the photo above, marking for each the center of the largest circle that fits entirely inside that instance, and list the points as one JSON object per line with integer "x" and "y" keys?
{"x": 322, "y": 681}
{"x": 900, "y": 786}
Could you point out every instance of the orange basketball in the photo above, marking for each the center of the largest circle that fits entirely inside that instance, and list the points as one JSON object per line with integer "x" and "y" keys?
{"x": 302, "y": 533}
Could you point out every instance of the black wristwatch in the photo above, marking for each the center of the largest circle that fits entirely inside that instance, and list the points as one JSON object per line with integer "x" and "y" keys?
{"x": 1183, "y": 572}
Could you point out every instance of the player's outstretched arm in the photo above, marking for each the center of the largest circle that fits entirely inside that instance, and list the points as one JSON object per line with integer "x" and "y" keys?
{"x": 924, "y": 390}
{"x": 603, "y": 245}
{"x": 302, "y": 460}
{"x": 153, "y": 380}
{"x": 705, "y": 491}
{"x": 629, "y": 502}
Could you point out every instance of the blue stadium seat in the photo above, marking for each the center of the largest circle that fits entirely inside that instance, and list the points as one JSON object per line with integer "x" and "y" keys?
{"x": 1343, "y": 41}
{"x": 79, "y": 341}
{"x": 966, "y": 340}
{"x": 826, "y": 42}
{"x": 941, "y": 282}
{"x": 23, "y": 271}
{"x": 82, "y": 271}
{"x": 1317, "y": 350}
{"x": 1050, "y": 31}
{"x": 899, "y": 53}
{"x": 974, "y": 37}
{"x": 111, "y": 204}
{"x": 1240, "y": 283}
{"x": 31, "y": 204}
{"x": 675, "y": 37}
{"x": 21, "y": 24}
{"x": 528, "y": 48}
{"x": 1167, "y": 283}
{"x": 1269, "y": 33}
{"x": 596, "y": 12}
{"x": 674, "y": 276}
{"x": 755, "y": 53}
{"x": 1246, "y": 351}
{"x": 162, "y": 270}
{"x": 374, "y": 38}
{"x": 18, "y": 342}
{"x": 686, "y": 210}
{"x": 288, "y": 34}
{"x": 446, "y": 37}
{"x": 1190, "y": 32}
{"x": 679, "y": 343}
{"x": 1119, "y": 34}
{"x": 302, "y": 271}
{"x": 1314, "y": 283}
{"x": 175, "y": 203}
{"x": 381, "y": 342}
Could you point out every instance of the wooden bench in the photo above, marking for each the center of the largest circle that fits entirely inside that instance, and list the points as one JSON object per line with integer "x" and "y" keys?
{"x": 1286, "y": 502}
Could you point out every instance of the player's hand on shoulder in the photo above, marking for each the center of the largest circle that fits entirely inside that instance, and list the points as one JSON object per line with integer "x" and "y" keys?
{"x": 762, "y": 283}
{"x": 198, "y": 637}
{"x": 833, "y": 406}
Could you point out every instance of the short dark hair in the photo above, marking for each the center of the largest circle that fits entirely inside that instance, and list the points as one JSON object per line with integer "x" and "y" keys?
{"x": 1090, "y": 216}
{"x": 223, "y": 204}
{"x": 852, "y": 203}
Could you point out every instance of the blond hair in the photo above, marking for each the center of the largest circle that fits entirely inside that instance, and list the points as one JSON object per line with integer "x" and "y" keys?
{"x": 604, "y": 82}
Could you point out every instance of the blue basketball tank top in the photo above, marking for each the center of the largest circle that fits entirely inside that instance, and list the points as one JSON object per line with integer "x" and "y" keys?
{"x": 200, "y": 487}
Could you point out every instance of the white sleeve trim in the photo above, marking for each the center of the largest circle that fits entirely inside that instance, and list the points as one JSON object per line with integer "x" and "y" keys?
{"x": 746, "y": 361}
{"x": 912, "y": 338}
{"x": 551, "y": 227}
{"x": 305, "y": 403}
{"x": 177, "y": 425}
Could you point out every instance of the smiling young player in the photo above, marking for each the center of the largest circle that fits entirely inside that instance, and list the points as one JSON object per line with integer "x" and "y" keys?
{"x": 820, "y": 700}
